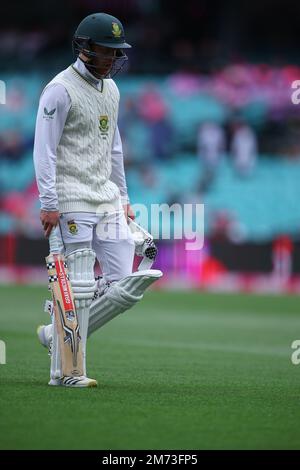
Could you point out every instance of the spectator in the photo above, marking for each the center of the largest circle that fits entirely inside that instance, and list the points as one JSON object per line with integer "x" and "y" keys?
{"x": 282, "y": 258}
{"x": 153, "y": 110}
{"x": 243, "y": 148}
{"x": 210, "y": 148}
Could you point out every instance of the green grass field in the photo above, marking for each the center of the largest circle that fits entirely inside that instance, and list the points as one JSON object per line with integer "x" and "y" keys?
{"x": 179, "y": 371}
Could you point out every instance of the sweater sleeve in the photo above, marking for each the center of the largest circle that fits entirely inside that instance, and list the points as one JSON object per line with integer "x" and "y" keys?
{"x": 54, "y": 106}
{"x": 118, "y": 173}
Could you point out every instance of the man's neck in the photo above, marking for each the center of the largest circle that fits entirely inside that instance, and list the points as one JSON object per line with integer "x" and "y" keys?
{"x": 82, "y": 69}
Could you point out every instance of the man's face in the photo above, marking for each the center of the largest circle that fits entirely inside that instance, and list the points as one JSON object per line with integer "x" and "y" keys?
{"x": 104, "y": 60}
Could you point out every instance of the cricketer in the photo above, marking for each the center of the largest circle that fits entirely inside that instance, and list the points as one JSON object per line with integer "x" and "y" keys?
{"x": 79, "y": 168}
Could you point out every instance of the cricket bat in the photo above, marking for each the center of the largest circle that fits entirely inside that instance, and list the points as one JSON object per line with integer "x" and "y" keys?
{"x": 65, "y": 315}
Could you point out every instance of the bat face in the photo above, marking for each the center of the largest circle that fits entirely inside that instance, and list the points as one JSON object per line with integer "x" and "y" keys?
{"x": 65, "y": 316}
{"x": 71, "y": 335}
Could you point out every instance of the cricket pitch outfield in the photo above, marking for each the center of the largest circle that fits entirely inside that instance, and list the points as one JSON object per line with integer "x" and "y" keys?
{"x": 182, "y": 370}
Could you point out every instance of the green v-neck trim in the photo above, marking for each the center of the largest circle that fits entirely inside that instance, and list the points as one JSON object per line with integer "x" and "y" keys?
{"x": 83, "y": 78}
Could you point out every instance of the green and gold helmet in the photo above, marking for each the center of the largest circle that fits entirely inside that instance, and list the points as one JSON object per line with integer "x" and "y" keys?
{"x": 103, "y": 30}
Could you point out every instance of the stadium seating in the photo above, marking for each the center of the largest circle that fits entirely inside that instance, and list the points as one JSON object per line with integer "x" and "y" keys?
{"x": 264, "y": 204}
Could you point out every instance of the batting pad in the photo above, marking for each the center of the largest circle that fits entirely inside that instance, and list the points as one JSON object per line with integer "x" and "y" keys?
{"x": 120, "y": 296}
{"x": 55, "y": 365}
{"x": 81, "y": 271}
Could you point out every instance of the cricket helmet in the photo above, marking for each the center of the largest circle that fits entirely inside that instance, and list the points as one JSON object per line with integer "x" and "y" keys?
{"x": 103, "y": 30}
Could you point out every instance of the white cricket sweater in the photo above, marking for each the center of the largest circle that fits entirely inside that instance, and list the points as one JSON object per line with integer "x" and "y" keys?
{"x": 83, "y": 166}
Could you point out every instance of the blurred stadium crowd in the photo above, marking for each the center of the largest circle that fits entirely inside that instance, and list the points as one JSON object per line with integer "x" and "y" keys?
{"x": 199, "y": 124}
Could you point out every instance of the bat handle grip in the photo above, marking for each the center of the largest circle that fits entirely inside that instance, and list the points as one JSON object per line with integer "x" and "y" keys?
{"x": 53, "y": 242}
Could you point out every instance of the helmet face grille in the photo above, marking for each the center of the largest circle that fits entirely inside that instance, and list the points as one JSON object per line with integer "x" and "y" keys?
{"x": 83, "y": 44}
{"x": 118, "y": 65}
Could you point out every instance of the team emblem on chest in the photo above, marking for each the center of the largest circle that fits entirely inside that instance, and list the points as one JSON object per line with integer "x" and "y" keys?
{"x": 103, "y": 125}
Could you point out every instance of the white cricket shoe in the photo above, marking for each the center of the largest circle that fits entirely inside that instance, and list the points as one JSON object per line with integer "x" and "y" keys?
{"x": 44, "y": 333}
{"x": 76, "y": 382}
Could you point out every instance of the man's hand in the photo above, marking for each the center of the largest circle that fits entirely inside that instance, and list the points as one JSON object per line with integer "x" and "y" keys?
{"x": 128, "y": 212}
{"x": 49, "y": 220}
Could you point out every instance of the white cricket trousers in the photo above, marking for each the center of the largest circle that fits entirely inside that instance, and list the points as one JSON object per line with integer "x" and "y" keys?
{"x": 107, "y": 234}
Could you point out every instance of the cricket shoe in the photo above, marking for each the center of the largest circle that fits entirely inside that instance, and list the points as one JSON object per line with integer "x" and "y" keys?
{"x": 75, "y": 382}
{"x": 44, "y": 333}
